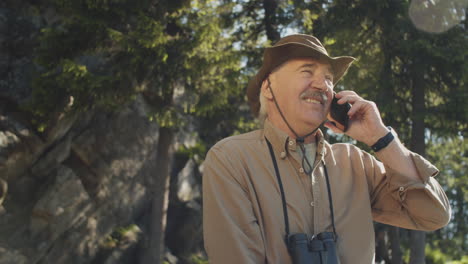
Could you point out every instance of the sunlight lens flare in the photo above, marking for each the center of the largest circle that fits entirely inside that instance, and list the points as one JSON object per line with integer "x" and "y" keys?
{"x": 437, "y": 16}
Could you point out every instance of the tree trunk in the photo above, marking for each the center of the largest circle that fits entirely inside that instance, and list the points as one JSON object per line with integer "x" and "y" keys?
{"x": 154, "y": 245}
{"x": 381, "y": 237}
{"x": 394, "y": 234}
{"x": 271, "y": 23}
{"x": 417, "y": 117}
{"x": 462, "y": 229}
{"x": 418, "y": 238}
{"x": 418, "y": 243}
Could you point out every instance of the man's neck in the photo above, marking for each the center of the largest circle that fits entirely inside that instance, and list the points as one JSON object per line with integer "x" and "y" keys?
{"x": 281, "y": 125}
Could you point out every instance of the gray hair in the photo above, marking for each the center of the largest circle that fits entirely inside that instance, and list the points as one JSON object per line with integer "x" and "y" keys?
{"x": 263, "y": 112}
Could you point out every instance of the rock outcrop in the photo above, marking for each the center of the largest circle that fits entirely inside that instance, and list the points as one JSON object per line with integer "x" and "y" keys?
{"x": 69, "y": 194}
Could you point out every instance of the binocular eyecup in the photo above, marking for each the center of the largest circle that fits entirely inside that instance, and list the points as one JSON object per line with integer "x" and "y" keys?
{"x": 319, "y": 249}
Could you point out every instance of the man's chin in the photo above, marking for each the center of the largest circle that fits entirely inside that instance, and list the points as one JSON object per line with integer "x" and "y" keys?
{"x": 315, "y": 122}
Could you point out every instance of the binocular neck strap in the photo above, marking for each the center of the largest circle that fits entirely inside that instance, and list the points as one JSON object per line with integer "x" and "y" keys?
{"x": 283, "y": 197}
{"x": 330, "y": 200}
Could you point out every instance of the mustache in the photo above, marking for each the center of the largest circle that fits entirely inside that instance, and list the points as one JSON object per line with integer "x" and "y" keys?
{"x": 313, "y": 94}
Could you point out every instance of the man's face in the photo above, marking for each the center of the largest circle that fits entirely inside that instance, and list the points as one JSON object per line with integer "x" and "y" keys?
{"x": 303, "y": 89}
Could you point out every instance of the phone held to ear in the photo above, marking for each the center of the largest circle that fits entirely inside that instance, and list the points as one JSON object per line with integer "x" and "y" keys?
{"x": 339, "y": 114}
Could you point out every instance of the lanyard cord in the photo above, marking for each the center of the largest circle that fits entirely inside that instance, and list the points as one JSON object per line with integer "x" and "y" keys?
{"x": 280, "y": 183}
{"x": 283, "y": 197}
{"x": 300, "y": 140}
{"x": 330, "y": 200}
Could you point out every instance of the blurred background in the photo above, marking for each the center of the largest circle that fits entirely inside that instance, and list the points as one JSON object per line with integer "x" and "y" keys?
{"x": 108, "y": 107}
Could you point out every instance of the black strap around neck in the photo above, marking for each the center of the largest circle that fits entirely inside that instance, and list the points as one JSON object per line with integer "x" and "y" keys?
{"x": 283, "y": 196}
{"x": 280, "y": 183}
{"x": 330, "y": 200}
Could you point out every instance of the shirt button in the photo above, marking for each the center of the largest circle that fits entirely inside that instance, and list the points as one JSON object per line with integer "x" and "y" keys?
{"x": 291, "y": 142}
{"x": 312, "y": 204}
{"x": 301, "y": 170}
{"x": 283, "y": 154}
{"x": 402, "y": 189}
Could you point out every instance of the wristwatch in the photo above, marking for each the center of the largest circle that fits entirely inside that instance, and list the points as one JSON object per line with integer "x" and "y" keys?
{"x": 383, "y": 141}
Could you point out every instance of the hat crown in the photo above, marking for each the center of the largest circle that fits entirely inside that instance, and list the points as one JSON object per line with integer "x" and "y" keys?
{"x": 302, "y": 39}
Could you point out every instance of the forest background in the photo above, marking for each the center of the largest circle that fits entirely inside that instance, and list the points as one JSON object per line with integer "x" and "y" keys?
{"x": 186, "y": 64}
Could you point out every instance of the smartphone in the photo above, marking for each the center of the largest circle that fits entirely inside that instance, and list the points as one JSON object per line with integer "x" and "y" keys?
{"x": 339, "y": 114}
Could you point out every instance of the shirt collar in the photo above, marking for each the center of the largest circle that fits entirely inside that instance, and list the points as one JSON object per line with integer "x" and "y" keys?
{"x": 281, "y": 142}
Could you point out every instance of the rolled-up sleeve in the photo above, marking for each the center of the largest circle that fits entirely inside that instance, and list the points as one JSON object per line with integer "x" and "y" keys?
{"x": 414, "y": 204}
{"x": 230, "y": 228}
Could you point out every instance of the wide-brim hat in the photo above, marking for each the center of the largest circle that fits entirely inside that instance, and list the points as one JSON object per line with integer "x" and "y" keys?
{"x": 289, "y": 47}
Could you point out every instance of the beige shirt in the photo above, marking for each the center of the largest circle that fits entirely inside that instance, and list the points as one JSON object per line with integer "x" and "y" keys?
{"x": 242, "y": 209}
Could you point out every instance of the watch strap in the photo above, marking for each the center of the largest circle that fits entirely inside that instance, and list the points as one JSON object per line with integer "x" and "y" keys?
{"x": 383, "y": 141}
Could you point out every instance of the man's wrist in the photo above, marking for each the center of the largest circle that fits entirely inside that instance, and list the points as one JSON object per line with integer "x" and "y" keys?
{"x": 384, "y": 141}
{"x": 375, "y": 135}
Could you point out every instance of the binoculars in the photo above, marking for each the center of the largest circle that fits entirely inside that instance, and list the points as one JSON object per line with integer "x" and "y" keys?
{"x": 319, "y": 249}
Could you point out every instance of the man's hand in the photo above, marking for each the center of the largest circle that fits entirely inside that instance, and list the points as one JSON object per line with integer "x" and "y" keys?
{"x": 365, "y": 123}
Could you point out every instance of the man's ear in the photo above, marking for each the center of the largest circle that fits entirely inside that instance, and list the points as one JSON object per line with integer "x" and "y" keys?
{"x": 266, "y": 90}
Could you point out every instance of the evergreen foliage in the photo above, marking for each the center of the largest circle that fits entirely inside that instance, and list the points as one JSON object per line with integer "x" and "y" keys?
{"x": 104, "y": 53}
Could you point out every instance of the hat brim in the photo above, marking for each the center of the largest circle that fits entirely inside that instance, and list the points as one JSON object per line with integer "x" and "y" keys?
{"x": 277, "y": 55}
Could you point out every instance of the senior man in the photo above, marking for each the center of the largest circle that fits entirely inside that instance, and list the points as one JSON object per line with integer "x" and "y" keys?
{"x": 262, "y": 188}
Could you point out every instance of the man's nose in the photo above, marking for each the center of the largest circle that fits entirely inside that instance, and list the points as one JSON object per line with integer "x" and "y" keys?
{"x": 322, "y": 83}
